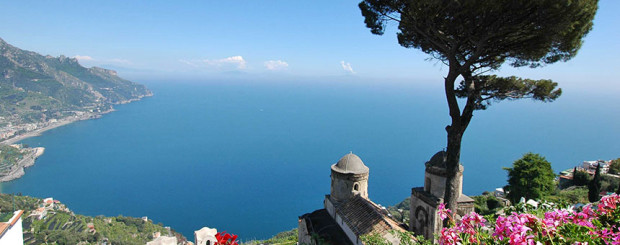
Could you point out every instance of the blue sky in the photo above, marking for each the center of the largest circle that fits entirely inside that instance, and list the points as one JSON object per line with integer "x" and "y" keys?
{"x": 266, "y": 39}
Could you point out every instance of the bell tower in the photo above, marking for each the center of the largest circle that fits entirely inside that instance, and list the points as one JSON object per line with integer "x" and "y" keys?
{"x": 349, "y": 178}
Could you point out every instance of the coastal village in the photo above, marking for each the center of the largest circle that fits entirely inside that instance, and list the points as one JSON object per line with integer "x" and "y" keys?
{"x": 12, "y": 132}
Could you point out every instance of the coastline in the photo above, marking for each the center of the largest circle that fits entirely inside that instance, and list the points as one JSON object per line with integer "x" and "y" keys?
{"x": 18, "y": 171}
{"x": 67, "y": 120}
{"x": 59, "y": 123}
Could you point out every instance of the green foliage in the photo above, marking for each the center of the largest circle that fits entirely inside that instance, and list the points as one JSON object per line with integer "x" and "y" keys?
{"x": 9, "y": 156}
{"x": 374, "y": 238}
{"x": 494, "y": 88}
{"x": 405, "y": 238}
{"x": 63, "y": 227}
{"x": 530, "y": 177}
{"x": 5, "y": 217}
{"x": 571, "y": 195}
{"x": 34, "y": 87}
{"x": 609, "y": 183}
{"x": 486, "y": 204}
{"x": 614, "y": 167}
{"x": 486, "y": 33}
{"x": 282, "y": 238}
{"x": 475, "y": 37}
{"x": 581, "y": 178}
{"x": 400, "y": 211}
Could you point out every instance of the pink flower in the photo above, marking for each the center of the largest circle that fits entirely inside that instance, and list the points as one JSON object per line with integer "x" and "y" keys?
{"x": 449, "y": 236}
{"x": 582, "y": 219}
{"x": 608, "y": 203}
{"x": 443, "y": 211}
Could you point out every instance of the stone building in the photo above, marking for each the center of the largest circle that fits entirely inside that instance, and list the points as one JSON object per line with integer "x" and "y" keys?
{"x": 348, "y": 214}
{"x": 423, "y": 218}
{"x": 205, "y": 236}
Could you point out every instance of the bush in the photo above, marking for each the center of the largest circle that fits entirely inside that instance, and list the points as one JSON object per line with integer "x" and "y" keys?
{"x": 581, "y": 178}
{"x": 609, "y": 183}
{"x": 571, "y": 195}
{"x": 530, "y": 177}
{"x": 614, "y": 168}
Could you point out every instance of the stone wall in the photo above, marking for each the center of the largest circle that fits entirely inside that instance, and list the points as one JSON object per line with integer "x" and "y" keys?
{"x": 343, "y": 185}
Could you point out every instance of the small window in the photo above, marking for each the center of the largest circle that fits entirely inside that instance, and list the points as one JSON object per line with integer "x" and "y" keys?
{"x": 427, "y": 184}
{"x": 356, "y": 187}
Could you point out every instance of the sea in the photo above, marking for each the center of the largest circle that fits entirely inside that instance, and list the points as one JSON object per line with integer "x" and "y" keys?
{"x": 250, "y": 157}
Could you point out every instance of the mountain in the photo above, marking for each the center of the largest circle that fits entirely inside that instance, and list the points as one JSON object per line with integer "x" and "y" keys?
{"x": 36, "y": 88}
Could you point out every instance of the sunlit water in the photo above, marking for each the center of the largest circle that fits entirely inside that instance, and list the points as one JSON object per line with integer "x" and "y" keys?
{"x": 250, "y": 157}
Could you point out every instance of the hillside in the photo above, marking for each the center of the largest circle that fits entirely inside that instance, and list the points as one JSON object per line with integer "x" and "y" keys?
{"x": 36, "y": 89}
{"x": 53, "y": 223}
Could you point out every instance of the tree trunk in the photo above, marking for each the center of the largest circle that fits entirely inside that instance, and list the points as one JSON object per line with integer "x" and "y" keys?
{"x": 452, "y": 166}
{"x": 455, "y": 133}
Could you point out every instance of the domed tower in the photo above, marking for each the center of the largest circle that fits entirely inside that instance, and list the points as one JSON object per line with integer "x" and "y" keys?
{"x": 436, "y": 175}
{"x": 349, "y": 178}
{"x": 423, "y": 218}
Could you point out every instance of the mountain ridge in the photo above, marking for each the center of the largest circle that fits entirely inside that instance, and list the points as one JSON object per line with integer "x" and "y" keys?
{"x": 36, "y": 88}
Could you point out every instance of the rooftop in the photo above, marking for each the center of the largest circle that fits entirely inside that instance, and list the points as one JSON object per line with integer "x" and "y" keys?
{"x": 365, "y": 217}
{"x": 319, "y": 222}
{"x": 4, "y": 226}
{"x": 350, "y": 164}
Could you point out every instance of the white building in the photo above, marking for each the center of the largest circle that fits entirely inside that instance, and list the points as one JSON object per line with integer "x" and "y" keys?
{"x": 591, "y": 165}
{"x": 11, "y": 232}
{"x": 163, "y": 240}
{"x": 205, "y": 236}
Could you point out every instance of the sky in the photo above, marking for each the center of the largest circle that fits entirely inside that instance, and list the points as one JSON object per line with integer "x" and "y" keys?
{"x": 262, "y": 39}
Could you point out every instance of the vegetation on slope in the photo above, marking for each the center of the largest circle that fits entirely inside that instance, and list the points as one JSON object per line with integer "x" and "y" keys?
{"x": 282, "y": 238}
{"x": 36, "y": 88}
{"x": 9, "y": 156}
{"x": 61, "y": 226}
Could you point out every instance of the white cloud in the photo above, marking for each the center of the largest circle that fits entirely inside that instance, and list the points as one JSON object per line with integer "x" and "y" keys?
{"x": 274, "y": 65}
{"x": 189, "y": 63}
{"x": 236, "y": 61}
{"x": 83, "y": 57}
{"x": 347, "y": 67}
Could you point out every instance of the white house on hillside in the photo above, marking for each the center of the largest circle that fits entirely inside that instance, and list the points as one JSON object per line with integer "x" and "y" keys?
{"x": 11, "y": 232}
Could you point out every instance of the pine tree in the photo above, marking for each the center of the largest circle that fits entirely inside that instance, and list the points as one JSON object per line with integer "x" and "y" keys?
{"x": 594, "y": 188}
{"x": 574, "y": 171}
{"x": 475, "y": 38}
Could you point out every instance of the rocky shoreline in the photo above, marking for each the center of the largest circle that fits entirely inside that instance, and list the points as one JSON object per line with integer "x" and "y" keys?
{"x": 17, "y": 170}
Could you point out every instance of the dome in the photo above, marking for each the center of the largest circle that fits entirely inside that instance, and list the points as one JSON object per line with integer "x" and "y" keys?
{"x": 350, "y": 164}
{"x": 438, "y": 160}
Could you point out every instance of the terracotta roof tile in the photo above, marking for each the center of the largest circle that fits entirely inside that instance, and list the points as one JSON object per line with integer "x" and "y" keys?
{"x": 365, "y": 217}
{"x": 16, "y": 217}
{"x": 3, "y": 228}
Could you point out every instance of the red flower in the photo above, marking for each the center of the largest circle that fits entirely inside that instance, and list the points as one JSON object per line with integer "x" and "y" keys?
{"x": 224, "y": 238}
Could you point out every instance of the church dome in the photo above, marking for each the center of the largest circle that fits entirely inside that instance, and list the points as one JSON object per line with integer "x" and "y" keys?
{"x": 438, "y": 160}
{"x": 350, "y": 164}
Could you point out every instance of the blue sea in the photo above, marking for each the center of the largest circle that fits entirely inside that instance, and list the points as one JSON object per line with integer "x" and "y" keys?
{"x": 250, "y": 157}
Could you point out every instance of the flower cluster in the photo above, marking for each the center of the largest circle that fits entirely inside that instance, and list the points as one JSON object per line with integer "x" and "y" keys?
{"x": 594, "y": 224}
{"x": 224, "y": 238}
